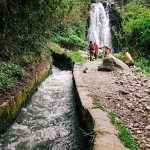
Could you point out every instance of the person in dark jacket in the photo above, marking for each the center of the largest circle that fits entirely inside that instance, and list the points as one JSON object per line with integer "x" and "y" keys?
{"x": 91, "y": 50}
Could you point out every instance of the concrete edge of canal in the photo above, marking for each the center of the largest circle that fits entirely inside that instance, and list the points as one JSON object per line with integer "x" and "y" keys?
{"x": 106, "y": 134}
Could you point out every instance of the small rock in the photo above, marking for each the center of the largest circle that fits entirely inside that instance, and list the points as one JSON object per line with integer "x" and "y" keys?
{"x": 147, "y": 145}
{"x": 137, "y": 109}
{"x": 135, "y": 137}
{"x": 138, "y": 95}
{"x": 118, "y": 105}
{"x": 147, "y": 107}
{"x": 139, "y": 132}
{"x": 129, "y": 105}
{"x": 147, "y": 127}
{"x": 84, "y": 71}
{"x": 136, "y": 125}
{"x": 147, "y": 91}
{"x": 148, "y": 121}
{"x": 124, "y": 92}
{"x": 118, "y": 120}
{"x": 148, "y": 116}
{"x": 131, "y": 90}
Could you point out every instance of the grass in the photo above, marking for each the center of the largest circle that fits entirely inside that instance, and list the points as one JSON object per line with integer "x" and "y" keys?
{"x": 97, "y": 105}
{"x": 144, "y": 64}
{"x": 89, "y": 134}
{"x": 100, "y": 56}
{"x": 124, "y": 135}
{"x": 119, "y": 55}
{"x": 74, "y": 56}
{"x": 139, "y": 62}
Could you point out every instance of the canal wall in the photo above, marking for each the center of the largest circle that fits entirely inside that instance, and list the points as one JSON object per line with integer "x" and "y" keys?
{"x": 100, "y": 133}
{"x": 97, "y": 128}
{"x": 103, "y": 136}
{"x": 10, "y": 109}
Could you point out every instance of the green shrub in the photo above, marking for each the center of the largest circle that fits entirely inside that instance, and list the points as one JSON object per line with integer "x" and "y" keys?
{"x": 119, "y": 55}
{"x": 6, "y": 82}
{"x": 12, "y": 70}
{"x": 74, "y": 56}
{"x": 136, "y": 28}
{"x": 9, "y": 73}
{"x": 71, "y": 42}
{"x": 144, "y": 64}
{"x": 70, "y": 38}
{"x": 100, "y": 56}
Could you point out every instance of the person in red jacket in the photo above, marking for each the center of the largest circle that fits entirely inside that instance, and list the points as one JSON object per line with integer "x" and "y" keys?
{"x": 106, "y": 51}
{"x": 95, "y": 50}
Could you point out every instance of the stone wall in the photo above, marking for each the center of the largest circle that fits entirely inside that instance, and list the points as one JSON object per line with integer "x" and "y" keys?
{"x": 105, "y": 137}
{"x": 10, "y": 109}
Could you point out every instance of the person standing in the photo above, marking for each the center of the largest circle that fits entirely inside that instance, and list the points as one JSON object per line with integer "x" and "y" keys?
{"x": 106, "y": 51}
{"x": 95, "y": 50}
{"x": 91, "y": 50}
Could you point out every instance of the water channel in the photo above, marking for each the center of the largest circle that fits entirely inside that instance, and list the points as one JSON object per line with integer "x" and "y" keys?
{"x": 49, "y": 120}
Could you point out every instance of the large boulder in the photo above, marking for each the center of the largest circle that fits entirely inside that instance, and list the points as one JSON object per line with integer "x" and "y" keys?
{"x": 111, "y": 63}
{"x": 128, "y": 59}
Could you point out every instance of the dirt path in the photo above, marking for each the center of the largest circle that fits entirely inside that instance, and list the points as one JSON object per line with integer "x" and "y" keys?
{"x": 127, "y": 95}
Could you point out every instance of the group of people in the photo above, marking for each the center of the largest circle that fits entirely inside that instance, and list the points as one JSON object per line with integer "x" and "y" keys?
{"x": 94, "y": 50}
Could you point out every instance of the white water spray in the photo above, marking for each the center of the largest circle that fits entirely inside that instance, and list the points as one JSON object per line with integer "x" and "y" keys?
{"x": 99, "y": 30}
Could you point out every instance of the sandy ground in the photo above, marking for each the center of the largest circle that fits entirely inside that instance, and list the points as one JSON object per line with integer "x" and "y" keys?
{"x": 127, "y": 95}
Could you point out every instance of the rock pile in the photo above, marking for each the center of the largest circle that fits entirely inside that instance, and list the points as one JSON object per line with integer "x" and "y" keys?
{"x": 131, "y": 104}
{"x": 125, "y": 94}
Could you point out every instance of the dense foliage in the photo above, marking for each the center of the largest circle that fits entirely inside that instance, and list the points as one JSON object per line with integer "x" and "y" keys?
{"x": 136, "y": 28}
{"x": 25, "y": 27}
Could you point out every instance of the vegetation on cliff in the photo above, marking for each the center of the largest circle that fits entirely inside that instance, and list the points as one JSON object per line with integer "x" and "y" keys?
{"x": 134, "y": 37}
{"x": 25, "y": 27}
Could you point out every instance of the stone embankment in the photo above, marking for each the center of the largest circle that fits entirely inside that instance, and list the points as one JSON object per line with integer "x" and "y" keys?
{"x": 10, "y": 108}
{"x": 106, "y": 134}
{"x": 127, "y": 95}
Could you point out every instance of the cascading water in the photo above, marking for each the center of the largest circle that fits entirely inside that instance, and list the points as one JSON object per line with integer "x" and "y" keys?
{"x": 49, "y": 121}
{"x": 99, "y": 29}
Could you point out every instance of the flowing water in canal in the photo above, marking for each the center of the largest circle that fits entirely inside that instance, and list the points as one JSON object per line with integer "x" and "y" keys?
{"x": 49, "y": 120}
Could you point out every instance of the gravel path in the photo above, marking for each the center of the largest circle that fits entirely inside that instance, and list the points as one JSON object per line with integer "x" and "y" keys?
{"x": 127, "y": 95}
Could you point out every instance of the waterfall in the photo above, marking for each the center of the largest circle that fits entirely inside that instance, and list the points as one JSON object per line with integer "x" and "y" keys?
{"x": 99, "y": 29}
